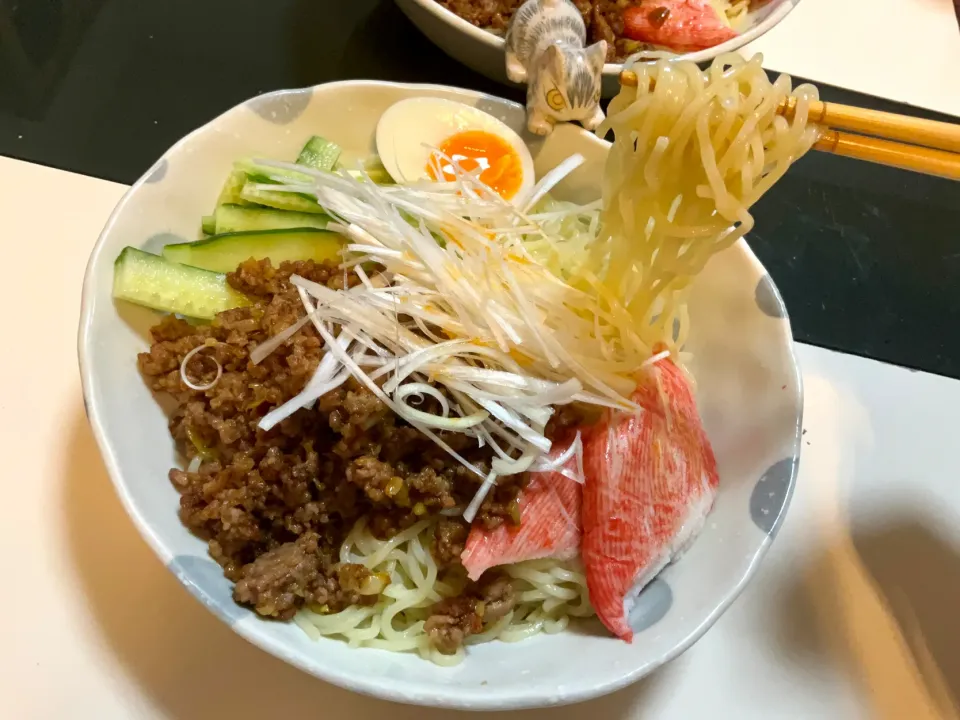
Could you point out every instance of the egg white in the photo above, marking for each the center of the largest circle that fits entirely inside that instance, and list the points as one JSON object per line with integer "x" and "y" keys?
{"x": 408, "y": 130}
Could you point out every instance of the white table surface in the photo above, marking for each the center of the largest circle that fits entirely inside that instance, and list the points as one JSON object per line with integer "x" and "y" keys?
{"x": 853, "y": 614}
{"x": 903, "y": 50}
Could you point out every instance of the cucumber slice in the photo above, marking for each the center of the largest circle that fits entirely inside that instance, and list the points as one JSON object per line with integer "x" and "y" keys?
{"x": 320, "y": 154}
{"x": 208, "y": 224}
{"x": 232, "y": 189}
{"x": 266, "y": 173}
{"x": 371, "y": 164}
{"x": 380, "y": 176}
{"x": 233, "y": 218}
{"x": 223, "y": 253}
{"x": 279, "y": 200}
{"x": 145, "y": 279}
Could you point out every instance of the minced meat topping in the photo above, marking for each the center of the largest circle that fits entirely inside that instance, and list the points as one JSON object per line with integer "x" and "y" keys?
{"x": 275, "y": 506}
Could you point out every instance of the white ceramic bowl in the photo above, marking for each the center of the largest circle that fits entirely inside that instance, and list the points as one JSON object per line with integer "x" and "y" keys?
{"x": 483, "y": 51}
{"x": 749, "y": 395}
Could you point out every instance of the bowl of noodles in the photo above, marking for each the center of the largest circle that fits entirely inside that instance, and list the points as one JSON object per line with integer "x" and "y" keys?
{"x": 428, "y": 424}
{"x": 472, "y": 31}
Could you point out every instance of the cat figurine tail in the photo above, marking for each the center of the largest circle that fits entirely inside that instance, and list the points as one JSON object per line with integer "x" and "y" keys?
{"x": 545, "y": 49}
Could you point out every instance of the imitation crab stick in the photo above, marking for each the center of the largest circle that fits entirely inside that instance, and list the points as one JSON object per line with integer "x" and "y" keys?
{"x": 549, "y": 527}
{"x": 682, "y": 25}
{"x": 651, "y": 479}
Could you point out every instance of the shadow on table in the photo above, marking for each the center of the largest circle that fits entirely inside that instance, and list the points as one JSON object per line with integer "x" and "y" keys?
{"x": 186, "y": 661}
{"x": 918, "y": 574}
{"x": 881, "y": 605}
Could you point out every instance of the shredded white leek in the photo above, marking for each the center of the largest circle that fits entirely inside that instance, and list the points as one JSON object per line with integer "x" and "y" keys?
{"x": 472, "y": 309}
{"x": 259, "y": 353}
{"x": 505, "y": 310}
{"x": 186, "y": 361}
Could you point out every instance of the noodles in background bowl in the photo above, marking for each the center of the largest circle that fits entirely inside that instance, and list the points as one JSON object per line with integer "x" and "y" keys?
{"x": 605, "y": 20}
{"x": 735, "y": 11}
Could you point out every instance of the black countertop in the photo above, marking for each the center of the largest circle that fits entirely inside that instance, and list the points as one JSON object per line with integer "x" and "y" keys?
{"x": 866, "y": 257}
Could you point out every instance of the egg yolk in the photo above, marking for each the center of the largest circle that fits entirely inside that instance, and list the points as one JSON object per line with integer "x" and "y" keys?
{"x": 501, "y": 169}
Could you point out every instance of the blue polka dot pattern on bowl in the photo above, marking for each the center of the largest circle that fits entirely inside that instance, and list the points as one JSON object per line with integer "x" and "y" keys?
{"x": 768, "y": 298}
{"x": 158, "y": 172}
{"x": 769, "y": 498}
{"x": 205, "y": 581}
{"x": 283, "y": 107}
{"x": 652, "y": 605}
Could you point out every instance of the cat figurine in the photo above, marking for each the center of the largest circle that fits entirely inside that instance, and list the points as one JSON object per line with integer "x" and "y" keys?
{"x": 545, "y": 49}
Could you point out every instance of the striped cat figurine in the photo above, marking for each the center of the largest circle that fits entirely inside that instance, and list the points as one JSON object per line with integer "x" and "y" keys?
{"x": 545, "y": 49}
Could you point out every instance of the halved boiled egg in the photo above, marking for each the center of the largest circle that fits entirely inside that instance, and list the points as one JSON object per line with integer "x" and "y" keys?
{"x": 410, "y": 131}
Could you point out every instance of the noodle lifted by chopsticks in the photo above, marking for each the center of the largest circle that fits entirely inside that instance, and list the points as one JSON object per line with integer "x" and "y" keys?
{"x": 693, "y": 150}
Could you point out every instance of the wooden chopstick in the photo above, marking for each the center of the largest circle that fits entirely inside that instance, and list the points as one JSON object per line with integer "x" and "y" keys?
{"x": 913, "y": 130}
{"x": 928, "y": 146}
{"x": 930, "y": 161}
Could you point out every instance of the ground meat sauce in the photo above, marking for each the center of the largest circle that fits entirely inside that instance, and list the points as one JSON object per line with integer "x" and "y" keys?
{"x": 454, "y": 619}
{"x": 450, "y": 537}
{"x": 603, "y": 18}
{"x": 275, "y": 506}
{"x": 282, "y": 579}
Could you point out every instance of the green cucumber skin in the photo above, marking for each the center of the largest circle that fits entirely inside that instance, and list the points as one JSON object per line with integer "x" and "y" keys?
{"x": 208, "y": 224}
{"x": 319, "y": 154}
{"x": 223, "y": 253}
{"x": 152, "y": 281}
{"x": 279, "y": 200}
{"x": 235, "y": 218}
